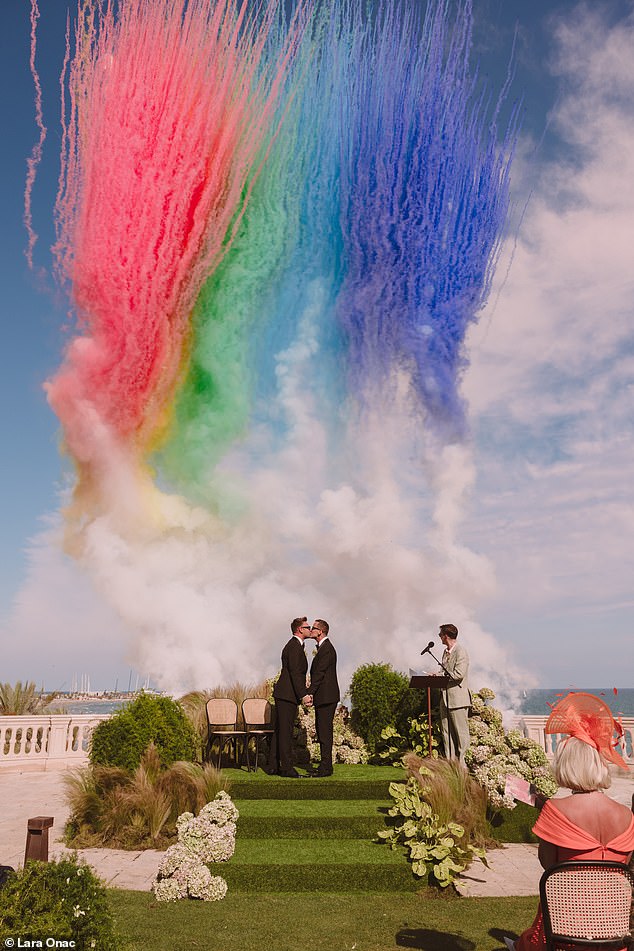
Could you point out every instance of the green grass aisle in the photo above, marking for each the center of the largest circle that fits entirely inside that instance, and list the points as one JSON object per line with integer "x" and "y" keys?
{"x": 307, "y": 876}
{"x": 319, "y": 922}
{"x": 315, "y": 835}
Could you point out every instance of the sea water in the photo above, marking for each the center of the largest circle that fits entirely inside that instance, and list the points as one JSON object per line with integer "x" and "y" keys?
{"x": 540, "y": 702}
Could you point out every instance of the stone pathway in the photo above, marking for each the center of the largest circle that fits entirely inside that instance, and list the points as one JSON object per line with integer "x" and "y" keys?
{"x": 513, "y": 869}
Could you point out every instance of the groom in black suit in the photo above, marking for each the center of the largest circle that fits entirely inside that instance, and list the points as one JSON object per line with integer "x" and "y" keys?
{"x": 288, "y": 692}
{"x": 323, "y": 693}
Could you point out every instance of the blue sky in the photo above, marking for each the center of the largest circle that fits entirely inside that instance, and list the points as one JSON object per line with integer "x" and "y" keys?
{"x": 550, "y": 385}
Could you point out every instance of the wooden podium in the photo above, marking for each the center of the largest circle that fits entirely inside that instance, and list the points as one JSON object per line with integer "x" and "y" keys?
{"x": 427, "y": 682}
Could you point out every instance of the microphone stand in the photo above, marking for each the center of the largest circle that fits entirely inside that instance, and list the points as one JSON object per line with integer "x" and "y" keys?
{"x": 440, "y": 664}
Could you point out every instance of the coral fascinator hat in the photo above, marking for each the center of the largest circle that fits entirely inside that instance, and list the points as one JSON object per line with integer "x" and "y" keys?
{"x": 589, "y": 719}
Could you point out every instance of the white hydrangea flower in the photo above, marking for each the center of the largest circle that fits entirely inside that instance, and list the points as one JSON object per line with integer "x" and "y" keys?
{"x": 168, "y": 889}
{"x": 216, "y": 889}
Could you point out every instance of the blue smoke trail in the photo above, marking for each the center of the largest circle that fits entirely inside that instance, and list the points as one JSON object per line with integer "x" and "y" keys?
{"x": 425, "y": 196}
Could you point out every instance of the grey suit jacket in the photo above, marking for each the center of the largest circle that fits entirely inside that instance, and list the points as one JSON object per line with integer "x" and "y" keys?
{"x": 458, "y": 694}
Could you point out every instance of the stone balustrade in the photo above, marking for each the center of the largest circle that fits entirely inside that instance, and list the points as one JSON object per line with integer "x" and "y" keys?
{"x": 533, "y": 727}
{"x": 46, "y": 742}
{"x": 61, "y": 741}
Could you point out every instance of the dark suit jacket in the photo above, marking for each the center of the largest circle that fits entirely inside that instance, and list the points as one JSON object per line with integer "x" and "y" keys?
{"x": 323, "y": 675}
{"x": 291, "y": 685}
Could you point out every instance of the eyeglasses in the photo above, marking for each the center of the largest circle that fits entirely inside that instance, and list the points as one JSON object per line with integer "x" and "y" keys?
{"x": 305, "y": 627}
{"x": 318, "y": 629}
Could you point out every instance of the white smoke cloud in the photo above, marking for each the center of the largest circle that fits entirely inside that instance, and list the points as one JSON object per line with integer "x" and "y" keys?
{"x": 376, "y": 553}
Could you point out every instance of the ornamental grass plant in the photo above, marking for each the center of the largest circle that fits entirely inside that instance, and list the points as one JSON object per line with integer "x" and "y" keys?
{"x": 136, "y": 809}
{"x": 454, "y": 796}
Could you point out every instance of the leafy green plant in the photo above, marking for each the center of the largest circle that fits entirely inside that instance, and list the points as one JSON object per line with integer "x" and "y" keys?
{"x": 437, "y": 850}
{"x": 495, "y": 753}
{"x": 123, "y": 738}
{"x": 122, "y": 809}
{"x": 393, "y": 746}
{"x": 62, "y": 900}
{"x": 381, "y": 697}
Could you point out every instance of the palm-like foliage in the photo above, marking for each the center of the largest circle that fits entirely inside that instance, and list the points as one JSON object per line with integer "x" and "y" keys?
{"x": 20, "y": 699}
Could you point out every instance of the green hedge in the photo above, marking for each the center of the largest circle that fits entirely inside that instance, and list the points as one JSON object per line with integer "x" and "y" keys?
{"x": 123, "y": 739}
{"x": 382, "y": 697}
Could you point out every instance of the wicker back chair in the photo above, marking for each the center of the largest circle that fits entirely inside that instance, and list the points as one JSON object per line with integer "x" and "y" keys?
{"x": 256, "y": 714}
{"x": 222, "y": 725}
{"x": 587, "y": 903}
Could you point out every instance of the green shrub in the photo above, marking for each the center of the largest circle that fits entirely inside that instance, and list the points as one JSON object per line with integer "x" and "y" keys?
{"x": 123, "y": 739}
{"x": 381, "y": 697}
{"x": 62, "y": 900}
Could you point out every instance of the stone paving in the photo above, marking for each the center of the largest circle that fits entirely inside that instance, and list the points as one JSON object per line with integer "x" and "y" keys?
{"x": 513, "y": 869}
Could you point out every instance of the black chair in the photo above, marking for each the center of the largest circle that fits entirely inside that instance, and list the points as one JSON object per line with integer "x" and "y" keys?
{"x": 222, "y": 725}
{"x": 256, "y": 714}
{"x": 587, "y": 903}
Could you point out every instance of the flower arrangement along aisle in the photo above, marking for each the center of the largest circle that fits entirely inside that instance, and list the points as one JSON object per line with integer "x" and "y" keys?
{"x": 495, "y": 754}
{"x": 347, "y": 747}
{"x": 208, "y": 837}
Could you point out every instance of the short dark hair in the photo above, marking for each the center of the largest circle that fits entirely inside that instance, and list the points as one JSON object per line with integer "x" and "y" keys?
{"x": 322, "y": 625}
{"x": 297, "y": 623}
{"x": 450, "y": 630}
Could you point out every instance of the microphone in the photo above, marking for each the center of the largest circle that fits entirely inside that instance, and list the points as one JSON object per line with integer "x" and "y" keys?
{"x": 428, "y": 648}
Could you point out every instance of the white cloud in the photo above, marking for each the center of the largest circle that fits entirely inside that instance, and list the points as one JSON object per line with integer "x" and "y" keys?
{"x": 551, "y": 385}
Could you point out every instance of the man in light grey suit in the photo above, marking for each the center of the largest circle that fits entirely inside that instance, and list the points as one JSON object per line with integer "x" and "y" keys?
{"x": 455, "y": 699}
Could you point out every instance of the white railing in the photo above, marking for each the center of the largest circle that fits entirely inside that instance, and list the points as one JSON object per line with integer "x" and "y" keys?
{"x": 46, "y": 742}
{"x": 533, "y": 727}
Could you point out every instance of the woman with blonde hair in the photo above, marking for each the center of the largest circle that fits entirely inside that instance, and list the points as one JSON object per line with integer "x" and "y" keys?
{"x": 587, "y": 824}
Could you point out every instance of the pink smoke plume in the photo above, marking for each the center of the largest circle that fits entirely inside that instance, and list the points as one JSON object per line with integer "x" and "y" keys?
{"x": 169, "y": 108}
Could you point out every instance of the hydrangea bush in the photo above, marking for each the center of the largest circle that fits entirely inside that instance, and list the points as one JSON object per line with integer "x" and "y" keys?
{"x": 495, "y": 753}
{"x": 347, "y": 747}
{"x": 208, "y": 837}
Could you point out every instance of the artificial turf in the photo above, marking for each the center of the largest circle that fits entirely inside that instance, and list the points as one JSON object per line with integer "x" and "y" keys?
{"x": 310, "y": 818}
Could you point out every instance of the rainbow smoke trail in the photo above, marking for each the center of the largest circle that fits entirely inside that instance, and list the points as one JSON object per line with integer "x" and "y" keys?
{"x": 272, "y": 233}
{"x": 168, "y": 115}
